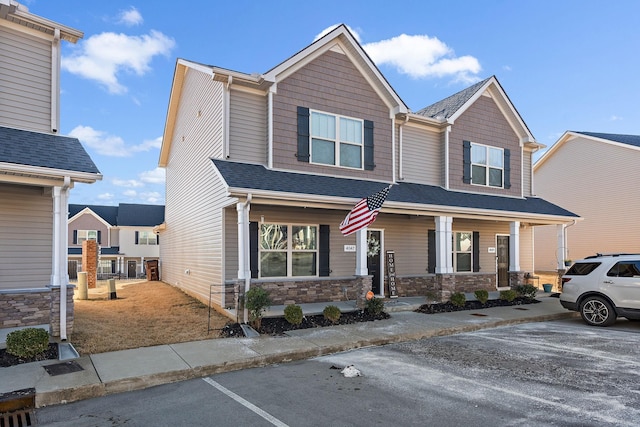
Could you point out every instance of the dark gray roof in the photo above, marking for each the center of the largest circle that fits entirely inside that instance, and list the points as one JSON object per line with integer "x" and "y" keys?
{"x": 623, "y": 139}
{"x": 448, "y": 106}
{"x": 44, "y": 150}
{"x": 114, "y": 250}
{"x": 257, "y": 177}
{"x": 125, "y": 214}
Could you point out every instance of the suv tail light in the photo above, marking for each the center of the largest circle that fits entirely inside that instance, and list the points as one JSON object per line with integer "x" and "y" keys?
{"x": 565, "y": 280}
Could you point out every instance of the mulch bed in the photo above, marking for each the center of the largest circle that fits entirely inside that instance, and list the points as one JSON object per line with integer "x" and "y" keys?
{"x": 447, "y": 307}
{"x": 276, "y": 326}
{"x": 7, "y": 359}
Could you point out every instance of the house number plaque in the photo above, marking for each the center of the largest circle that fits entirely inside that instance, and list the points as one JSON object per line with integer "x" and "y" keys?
{"x": 391, "y": 274}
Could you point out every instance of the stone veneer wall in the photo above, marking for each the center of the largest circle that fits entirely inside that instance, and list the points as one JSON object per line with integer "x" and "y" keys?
{"x": 24, "y": 308}
{"x": 417, "y": 286}
{"x": 54, "y": 328}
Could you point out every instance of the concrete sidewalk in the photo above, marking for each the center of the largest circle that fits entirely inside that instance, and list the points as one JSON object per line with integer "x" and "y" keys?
{"x": 119, "y": 371}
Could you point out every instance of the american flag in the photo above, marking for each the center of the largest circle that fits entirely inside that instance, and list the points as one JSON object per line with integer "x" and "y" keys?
{"x": 364, "y": 212}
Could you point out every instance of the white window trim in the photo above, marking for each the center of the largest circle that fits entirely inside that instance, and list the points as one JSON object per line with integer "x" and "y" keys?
{"x": 86, "y": 237}
{"x": 336, "y": 141}
{"x": 487, "y": 166}
{"x": 289, "y": 250}
{"x": 454, "y": 252}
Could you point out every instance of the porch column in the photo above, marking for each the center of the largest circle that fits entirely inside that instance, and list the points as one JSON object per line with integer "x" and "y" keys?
{"x": 561, "y": 230}
{"x": 361, "y": 252}
{"x": 241, "y": 241}
{"x": 444, "y": 242}
{"x": 59, "y": 273}
{"x": 514, "y": 246}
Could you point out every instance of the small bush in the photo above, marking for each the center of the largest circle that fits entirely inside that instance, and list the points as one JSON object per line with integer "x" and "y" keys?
{"x": 28, "y": 342}
{"x": 374, "y": 306}
{"x": 458, "y": 299}
{"x": 257, "y": 301}
{"x": 527, "y": 291}
{"x": 293, "y": 314}
{"x": 509, "y": 295}
{"x": 332, "y": 313}
{"x": 482, "y": 295}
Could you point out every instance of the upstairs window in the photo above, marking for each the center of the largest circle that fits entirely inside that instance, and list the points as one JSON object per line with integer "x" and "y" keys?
{"x": 146, "y": 238}
{"x": 80, "y": 236}
{"x": 336, "y": 140}
{"x": 487, "y": 165}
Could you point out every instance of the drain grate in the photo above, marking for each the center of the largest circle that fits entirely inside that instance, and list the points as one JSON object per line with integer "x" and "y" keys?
{"x": 21, "y": 418}
{"x": 479, "y": 314}
{"x": 63, "y": 368}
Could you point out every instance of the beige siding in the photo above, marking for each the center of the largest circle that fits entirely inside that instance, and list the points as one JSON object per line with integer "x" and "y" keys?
{"x": 483, "y": 123}
{"x": 597, "y": 181}
{"x": 422, "y": 155}
{"x": 26, "y": 233}
{"x": 488, "y": 231}
{"x": 248, "y": 127}
{"x": 527, "y": 166}
{"x": 90, "y": 222}
{"x": 526, "y": 249}
{"x": 330, "y": 83}
{"x": 407, "y": 237}
{"x": 25, "y": 81}
{"x": 192, "y": 244}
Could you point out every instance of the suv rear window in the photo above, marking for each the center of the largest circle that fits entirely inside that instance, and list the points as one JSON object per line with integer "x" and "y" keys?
{"x": 582, "y": 268}
{"x": 625, "y": 269}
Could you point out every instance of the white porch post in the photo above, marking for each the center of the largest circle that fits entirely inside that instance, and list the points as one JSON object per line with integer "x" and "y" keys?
{"x": 514, "y": 246}
{"x": 361, "y": 252}
{"x": 241, "y": 240}
{"x": 444, "y": 245}
{"x": 59, "y": 273}
{"x": 561, "y": 231}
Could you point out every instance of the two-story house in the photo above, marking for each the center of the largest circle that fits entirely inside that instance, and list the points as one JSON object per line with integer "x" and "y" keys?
{"x": 262, "y": 168}
{"x": 38, "y": 167}
{"x": 124, "y": 234}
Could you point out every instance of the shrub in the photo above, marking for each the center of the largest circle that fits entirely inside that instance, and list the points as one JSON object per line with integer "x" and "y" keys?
{"x": 458, "y": 299}
{"x": 374, "y": 306}
{"x": 332, "y": 313}
{"x": 482, "y": 295}
{"x": 527, "y": 291}
{"x": 28, "y": 342}
{"x": 257, "y": 301}
{"x": 293, "y": 314}
{"x": 509, "y": 295}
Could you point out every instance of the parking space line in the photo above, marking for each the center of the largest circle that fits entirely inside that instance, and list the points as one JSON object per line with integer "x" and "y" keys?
{"x": 273, "y": 420}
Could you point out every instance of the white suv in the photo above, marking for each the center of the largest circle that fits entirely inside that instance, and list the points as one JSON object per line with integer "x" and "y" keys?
{"x": 603, "y": 287}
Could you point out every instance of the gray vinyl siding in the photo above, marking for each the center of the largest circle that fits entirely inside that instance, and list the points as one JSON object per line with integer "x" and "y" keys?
{"x": 527, "y": 166}
{"x": 248, "y": 127}
{"x": 407, "y": 237}
{"x": 488, "y": 231}
{"x": 422, "y": 155}
{"x": 597, "y": 181}
{"x": 192, "y": 244}
{"x": 26, "y": 233}
{"x": 25, "y": 81}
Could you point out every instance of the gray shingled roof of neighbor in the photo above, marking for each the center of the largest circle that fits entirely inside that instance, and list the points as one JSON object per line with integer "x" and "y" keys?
{"x": 114, "y": 250}
{"x": 623, "y": 139}
{"x": 447, "y": 107}
{"x": 125, "y": 214}
{"x": 257, "y": 177}
{"x": 44, "y": 150}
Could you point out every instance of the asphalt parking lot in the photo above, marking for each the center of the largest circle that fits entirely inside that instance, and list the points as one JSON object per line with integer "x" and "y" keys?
{"x": 551, "y": 373}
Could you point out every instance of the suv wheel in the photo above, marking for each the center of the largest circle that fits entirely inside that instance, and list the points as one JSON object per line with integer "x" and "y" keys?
{"x": 597, "y": 311}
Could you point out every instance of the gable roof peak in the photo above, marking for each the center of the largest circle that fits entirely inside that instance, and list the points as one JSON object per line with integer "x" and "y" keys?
{"x": 446, "y": 108}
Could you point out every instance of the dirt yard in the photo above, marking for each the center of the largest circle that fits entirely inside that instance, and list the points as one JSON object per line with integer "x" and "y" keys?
{"x": 144, "y": 314}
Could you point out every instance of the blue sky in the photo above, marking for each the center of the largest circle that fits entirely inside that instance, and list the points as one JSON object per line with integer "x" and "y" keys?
{"x": 566, "y": 65}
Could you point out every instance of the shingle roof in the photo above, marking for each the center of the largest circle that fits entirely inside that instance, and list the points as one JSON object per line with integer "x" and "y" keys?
{"x": 44, "y": 150}
{"x": 257, "y": 177}
{"x": 448, "y": 106}
{"x": 125, "y": 214}
{"x": 623, "y": 139}
{"x": 114, "y": 250}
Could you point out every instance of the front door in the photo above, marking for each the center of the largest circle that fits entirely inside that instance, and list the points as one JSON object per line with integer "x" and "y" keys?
{"x": 502, "y": 260}
{"x": 131, "y": 269}
{"x": 374, "y": 260}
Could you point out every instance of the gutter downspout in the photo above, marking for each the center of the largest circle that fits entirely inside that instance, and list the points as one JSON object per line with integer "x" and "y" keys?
{"x": 247, "y": 254}
{"x": 393, "y": 149}
{"x": 227, "y": 113}
{"x": 55, "y": 80}
{"x": 400, "y": 149}
{"x": 446, "y": 157}
{"x": 270, "y": 128}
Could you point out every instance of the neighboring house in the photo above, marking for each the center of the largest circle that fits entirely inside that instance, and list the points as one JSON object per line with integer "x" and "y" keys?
{"x": 262, "y": 168}
{"x": 124, "y": 234}
{"x": 37, "y": 169}
{"x": 595, "y": 175}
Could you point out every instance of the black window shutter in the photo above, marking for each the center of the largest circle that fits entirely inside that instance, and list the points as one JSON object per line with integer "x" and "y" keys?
{"x": 137, "y": 235}
{"x": 368, "y": 146}
{"x": 75, "y": 237}
{"x": 303, "y": 134}
{"x": 157, "y": 239}
{"x": 431, "y": 251}
{"x": 253, "y": 249}
{"x": 113, "y": 265}
{"x": 323, "y": 247}
{"x": 507, "y": 168}
{"x": 99, "y": 237}
{"x": 466, "y": 162}
{"x": 476, "y": 251}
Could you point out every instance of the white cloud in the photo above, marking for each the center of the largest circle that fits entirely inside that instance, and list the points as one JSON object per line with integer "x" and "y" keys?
{"x": 155, "y": 176}
{"x": 101, "y": 142}
{"x": 130, "y": 193}
{"x": 148, "y": 144}
{"x": 421, "y": 56}
{"x": 104, "y": 56}
{"x": 127, "y": 183}
{"x": 151, "y": 197}
{"x": 615, "y": 118}
{"x": 130, "y": 17}
{"x": 333, "y": 27}
{"x": 106, "y": 196}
